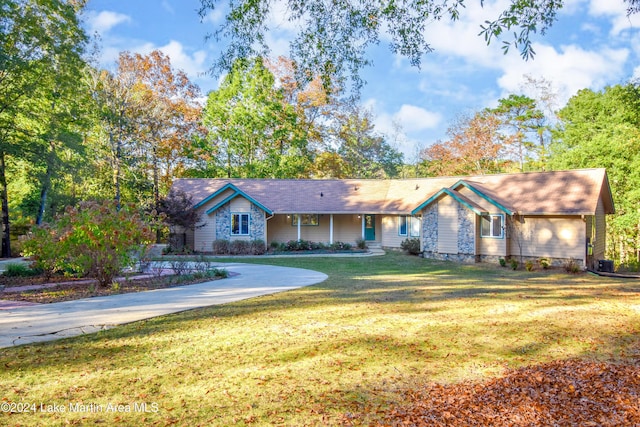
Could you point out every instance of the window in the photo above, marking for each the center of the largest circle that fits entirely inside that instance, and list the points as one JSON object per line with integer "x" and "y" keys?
{"x": 492, "y": 226}
{"x": 240, "y": 224}
{"x": 402, "y": 226}
{"x": 408, "y": 225}
{"x": 415, "y": 226}
{"x": 306, "y": 219}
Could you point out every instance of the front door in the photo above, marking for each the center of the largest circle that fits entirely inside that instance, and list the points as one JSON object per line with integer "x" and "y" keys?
{"x": 369, "y": 227}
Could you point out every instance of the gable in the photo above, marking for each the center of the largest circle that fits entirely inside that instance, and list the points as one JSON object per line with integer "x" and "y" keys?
{"x": 226, "y": 194}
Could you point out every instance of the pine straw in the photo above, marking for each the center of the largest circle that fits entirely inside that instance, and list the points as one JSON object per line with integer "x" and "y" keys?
{"x": 560, "y": 393}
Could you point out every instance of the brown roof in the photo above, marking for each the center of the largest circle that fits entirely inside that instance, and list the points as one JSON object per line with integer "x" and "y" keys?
{"x": 566, "y": 192}
{"x": 546, "y": 193}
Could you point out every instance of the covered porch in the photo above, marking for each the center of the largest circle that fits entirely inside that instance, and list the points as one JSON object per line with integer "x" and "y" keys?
{"x": 325, "y": 227}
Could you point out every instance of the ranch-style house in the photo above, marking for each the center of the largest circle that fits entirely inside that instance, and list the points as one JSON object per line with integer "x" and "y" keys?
{"x": 557, "y": 215}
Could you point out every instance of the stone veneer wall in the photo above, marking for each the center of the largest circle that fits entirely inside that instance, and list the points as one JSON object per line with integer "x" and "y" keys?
{"x": 223, "y": 222}
{"x": 466, "y": 231}
{"x": 257, "y": 223}
{"x": 430, "y": 229}
{"x": 466, "y": 235}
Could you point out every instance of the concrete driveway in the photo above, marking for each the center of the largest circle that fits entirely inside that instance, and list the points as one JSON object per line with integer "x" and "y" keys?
{"x": 47, "y": 322}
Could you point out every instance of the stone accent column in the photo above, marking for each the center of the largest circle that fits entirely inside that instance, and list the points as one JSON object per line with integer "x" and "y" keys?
{"x": 430, "y": 230}
{"x": 466, "y": 231}
{"x": 223, "y": 222}
{"x": 257, "y": 224}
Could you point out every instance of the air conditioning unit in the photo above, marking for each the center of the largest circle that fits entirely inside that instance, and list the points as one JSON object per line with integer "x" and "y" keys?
{"x": 605, "y": 265}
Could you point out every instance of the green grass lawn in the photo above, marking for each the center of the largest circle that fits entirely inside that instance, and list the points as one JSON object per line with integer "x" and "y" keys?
{"x": 311, "y": 356}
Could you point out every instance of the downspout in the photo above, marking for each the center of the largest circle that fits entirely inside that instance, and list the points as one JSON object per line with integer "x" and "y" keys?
{"x": 266, "y": 228}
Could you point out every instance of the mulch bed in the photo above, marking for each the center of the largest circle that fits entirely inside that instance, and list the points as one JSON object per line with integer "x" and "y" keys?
{"x": 60, "y": 289}
{"x": 559, "y": 393}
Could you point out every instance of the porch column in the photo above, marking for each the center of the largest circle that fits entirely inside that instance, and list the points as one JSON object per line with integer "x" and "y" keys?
{"x": 363, "y": 225}
{"x": 331, "y": 229}
{"x": 299, "y": 226}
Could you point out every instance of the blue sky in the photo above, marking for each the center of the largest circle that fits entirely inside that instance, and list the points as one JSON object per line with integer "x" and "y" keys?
{"x": 593, "y": 44}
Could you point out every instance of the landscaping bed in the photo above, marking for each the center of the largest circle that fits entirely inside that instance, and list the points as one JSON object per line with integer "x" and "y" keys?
{"x": 38, "y": 289}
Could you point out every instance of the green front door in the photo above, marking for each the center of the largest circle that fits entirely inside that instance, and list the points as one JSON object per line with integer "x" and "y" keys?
{"x": 369, "y": 227}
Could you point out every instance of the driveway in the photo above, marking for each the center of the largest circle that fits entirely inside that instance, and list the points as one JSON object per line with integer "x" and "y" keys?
{"x": 47, "y": 322}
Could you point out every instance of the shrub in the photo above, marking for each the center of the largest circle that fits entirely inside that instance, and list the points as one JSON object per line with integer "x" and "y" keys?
{"x": 19, "y": 270}
{"x": 258, "y": 247}
{"x": 340, "y": 246}
{"x": 96, "y": 240}
{"x": 514, "y": 263}
{"x": 221, "y": 247}
{"x": 179, "y": 266}
{"x": 528, "y": 265}
{"x": 220, "y": 272}
{"x": 572, "y": 266}
{"x": 544, "y": 263}
{"x": 411, "y": 246}
{"x": 503, "y": 262}
{"x": 361, "y": 243}
{"x": 240, "y": 247}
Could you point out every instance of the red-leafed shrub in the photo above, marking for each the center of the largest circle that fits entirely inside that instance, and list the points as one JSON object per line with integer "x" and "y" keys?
{"x": 94, "y": 240}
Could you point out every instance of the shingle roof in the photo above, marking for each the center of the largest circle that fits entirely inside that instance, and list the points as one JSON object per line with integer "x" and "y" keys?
{"x": 566, "y": 192}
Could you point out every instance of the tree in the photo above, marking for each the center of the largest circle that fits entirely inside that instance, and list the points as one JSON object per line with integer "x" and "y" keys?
{"x": 37, "y": 39}
{"x": 361, "y": 152}
{"x": 166, "y": 114}
{"x": 475, "y": 147}
{"x": 520, "y": 118}
{"x": 114, "y": 96}
{"x": 251, "y": 127}
{"x": 334, "y": 36}
{"x": 602, "y": 129}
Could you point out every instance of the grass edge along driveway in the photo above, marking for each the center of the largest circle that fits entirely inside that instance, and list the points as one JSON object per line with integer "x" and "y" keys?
{"x": 350, "y": 345}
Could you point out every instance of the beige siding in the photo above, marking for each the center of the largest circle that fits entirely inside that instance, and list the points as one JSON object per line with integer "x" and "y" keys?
{"x": 477, "y": 199}
{"x": 204, "y": 236}
{"x": 389, "y": 229}
{"x": 491, "y": 245}
{"x": 554, "y": 237}
{"x": 240, "y": 204}
{"x": 600, "y": 238}
{"x": 346, "y": 228}
{"x": 447, "y": 226}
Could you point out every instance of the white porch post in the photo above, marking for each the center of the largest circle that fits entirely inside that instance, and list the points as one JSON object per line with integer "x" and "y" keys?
{"x": 331, "y": 229}
{"x": 299, "y": 225}
{"x": 363, "y": 223}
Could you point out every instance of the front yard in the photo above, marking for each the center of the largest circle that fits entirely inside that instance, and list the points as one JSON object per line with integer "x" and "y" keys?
{"x": 344, "y": 351}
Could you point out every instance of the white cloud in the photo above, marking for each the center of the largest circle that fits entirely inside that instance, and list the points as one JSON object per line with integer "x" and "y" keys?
{"x": 570, "y": 68}
{"x": 104, "y": 21}
{"x": 193, "y": 64}
{"x": 414, "y": 119}
{"x": 617, "y": 12}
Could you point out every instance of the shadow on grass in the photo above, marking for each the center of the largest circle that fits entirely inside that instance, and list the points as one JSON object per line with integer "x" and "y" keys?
{"x": 404, "y": 284}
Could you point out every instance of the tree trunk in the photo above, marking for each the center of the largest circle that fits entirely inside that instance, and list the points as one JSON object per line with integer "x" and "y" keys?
{"x": 6, "y": 238}
{"x": 116, "y": 169}
{"x": 46, "y": 185}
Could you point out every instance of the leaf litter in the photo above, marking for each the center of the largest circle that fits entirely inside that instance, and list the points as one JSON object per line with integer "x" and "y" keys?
{"x": 558, "y": 393}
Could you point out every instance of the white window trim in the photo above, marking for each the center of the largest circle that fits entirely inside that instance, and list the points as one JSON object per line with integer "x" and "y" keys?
{"x": 240, "y": 227}
{"x": 416, "y": 220}
{"x": 491, "y": 236}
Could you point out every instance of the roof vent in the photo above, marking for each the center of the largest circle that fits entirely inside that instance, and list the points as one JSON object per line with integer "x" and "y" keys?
{"x": 321, "y": 195}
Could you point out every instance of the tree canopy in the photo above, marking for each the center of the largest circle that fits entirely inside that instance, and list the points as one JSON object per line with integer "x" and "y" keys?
{"x": 333, "y": 36}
